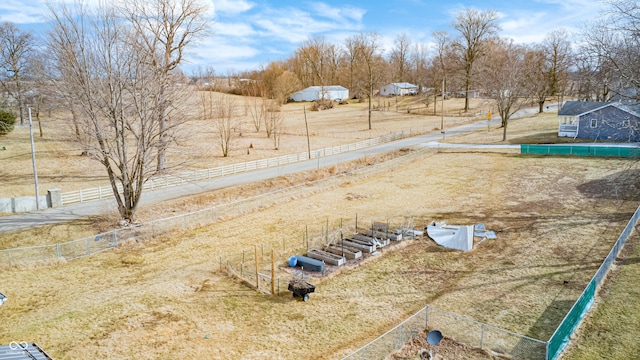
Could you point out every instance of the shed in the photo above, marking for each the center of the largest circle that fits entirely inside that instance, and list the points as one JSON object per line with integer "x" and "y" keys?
{"x": 606, "y": 121}
{"x": 399, "y": 88}
{"x": 313, "y": 93}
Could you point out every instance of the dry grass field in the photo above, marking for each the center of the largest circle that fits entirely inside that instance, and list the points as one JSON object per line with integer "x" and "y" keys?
{"x": 556, "y": 219}
{"x": 60, "y": 164}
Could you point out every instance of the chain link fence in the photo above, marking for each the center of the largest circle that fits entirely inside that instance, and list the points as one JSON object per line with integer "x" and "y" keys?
{"x": 499, "y": 341}
{"x": 463, "y": 330}
{"x": 493, "y": 339}
{"x": 561, "y": 337}
{"x": 393, "y": 340}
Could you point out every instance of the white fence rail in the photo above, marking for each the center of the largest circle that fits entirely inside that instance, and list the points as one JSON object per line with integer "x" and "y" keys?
{"x": 165, "y": 181}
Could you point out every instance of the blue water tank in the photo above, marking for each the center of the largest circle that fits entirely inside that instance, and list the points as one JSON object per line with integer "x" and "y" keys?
{"x": 293, "y": 261}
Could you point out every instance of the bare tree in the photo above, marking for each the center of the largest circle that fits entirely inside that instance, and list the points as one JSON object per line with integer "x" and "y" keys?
{"x": 224, "y": 121}
{"x": 274, "y": 124}
{"x": 558, "y": 58}
{"x": 400, "y": 58}
{"x": 206, "y": 86}
{"x": 313, "y": 63}
{"x": 536, "y": 76}
{"x": 165, "y": 28}
{"x": 42, "y": 93}
{"x": 118, "y": 91}
{"x": 504, "y": 72}
{"x": 475, "y": 28}
{"x": 443, "y": 49}
{"x": 16, "y": 47}
{"x": 613, "y": 42}
{"x": 285, "y": 85}
{"x": 257, "y": 104}
{"x": 420, "y": 63}
{"x": 367, "y": 48}
{"x": 351, "y": 63}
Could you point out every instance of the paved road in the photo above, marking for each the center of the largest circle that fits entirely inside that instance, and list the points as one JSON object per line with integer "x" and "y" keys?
{"x": 81, "y": 210}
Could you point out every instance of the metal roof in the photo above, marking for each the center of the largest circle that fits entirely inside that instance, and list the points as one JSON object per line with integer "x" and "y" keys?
{"x": 3, "y": 298}
{"x": 326, "y": 88}
{"x": 404, "y": 85}
{"x": 23, "y": 351}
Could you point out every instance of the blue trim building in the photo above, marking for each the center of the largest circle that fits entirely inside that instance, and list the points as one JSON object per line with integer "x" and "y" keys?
{"x": 605, "y": 121}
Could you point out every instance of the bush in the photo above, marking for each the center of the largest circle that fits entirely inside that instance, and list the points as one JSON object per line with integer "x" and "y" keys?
{"x": 323, "y": 104}
{"x": 7, "y": 121}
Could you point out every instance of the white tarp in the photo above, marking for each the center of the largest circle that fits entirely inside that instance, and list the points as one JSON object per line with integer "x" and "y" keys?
{"x": 480, "y": 231}
{"x": 451, "y": 236}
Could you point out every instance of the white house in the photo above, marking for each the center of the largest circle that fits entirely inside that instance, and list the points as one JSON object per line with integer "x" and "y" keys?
{"x": 402, "y": 88}
{"x": 313, "y": 93}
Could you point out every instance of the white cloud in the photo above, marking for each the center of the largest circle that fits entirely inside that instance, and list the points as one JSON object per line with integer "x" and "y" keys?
{"x": 18, "y": 12}
{"x": 242, "y": 30}
{"x": 344, "y": 15}
{"x": 295, "y": 25}
{"x": 232, "y": 7}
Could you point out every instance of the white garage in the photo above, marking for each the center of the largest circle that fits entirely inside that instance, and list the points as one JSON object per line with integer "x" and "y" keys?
{"x": 313, "y": 93}
{"x": 403, "y": 88}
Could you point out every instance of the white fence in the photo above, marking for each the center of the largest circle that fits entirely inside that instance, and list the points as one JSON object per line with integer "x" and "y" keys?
{"x": 44, "y": 254}
{"x": 103, "y": 192}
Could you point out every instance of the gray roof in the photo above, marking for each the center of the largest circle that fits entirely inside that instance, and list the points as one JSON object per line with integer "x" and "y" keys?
{"x": 578, "y": 108}
{"x": 575, "y": 108}
{"x": 23, "y": 351}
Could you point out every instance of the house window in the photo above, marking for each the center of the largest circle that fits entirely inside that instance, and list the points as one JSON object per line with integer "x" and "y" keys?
{"x": 594, "y": 123}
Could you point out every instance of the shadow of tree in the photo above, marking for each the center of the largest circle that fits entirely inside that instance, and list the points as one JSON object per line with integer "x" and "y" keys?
{"x": 623, "y": 185}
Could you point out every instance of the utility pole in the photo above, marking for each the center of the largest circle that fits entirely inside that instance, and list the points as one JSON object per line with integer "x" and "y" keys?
{"x": 442, "y": 115}
{"x": 33, "y": 158}
{"x": 304, "y": 109}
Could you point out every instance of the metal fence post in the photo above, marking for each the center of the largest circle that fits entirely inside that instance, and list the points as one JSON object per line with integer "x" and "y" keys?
{"x": 58, "y": 250}
{"x": 546, "y": 351}
{"x": 426, "y": 317}
{"x": 481, "y": 336}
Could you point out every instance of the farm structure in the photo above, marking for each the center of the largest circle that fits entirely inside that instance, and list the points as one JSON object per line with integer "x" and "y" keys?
{"x": 313, "y": 93}
{"x": 399, "y": 88}
{"x": 606, "y": 121}
{"x": 325, "y": 255}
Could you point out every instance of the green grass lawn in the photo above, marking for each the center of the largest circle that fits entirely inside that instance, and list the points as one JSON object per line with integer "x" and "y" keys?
{"x": 611, "y": 331}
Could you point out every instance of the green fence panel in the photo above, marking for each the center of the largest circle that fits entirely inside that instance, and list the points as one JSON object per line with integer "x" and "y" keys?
{"x": 560, "y": 337}
{"x": 576, "y": 150}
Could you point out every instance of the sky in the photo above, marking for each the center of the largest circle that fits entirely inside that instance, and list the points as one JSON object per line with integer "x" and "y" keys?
{"x": 248, "y": 34}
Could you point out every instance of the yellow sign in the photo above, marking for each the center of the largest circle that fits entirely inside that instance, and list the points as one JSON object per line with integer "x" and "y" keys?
{"x": 489, "y": 115}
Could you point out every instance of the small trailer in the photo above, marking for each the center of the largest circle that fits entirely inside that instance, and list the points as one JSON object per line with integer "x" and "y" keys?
{"x": 301, "y": 288}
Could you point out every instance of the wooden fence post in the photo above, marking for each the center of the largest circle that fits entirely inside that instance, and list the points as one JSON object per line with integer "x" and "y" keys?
{"x": 273, "y": 273}
{"x": 255, "y": 247}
